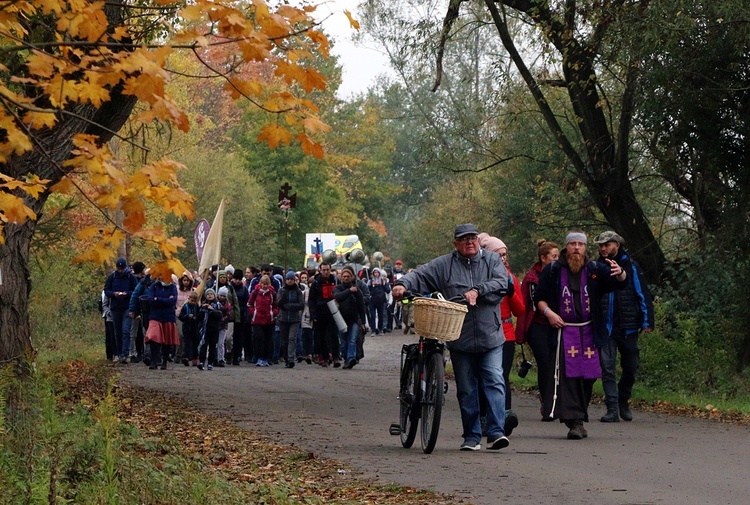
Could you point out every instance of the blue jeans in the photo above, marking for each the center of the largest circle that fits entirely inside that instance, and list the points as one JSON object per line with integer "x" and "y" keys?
{"x": 349, "y": 343}
{"x": 470, "y": 370}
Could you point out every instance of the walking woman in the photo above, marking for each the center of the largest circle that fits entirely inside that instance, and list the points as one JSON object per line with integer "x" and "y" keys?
{"x": 162, "y": 326}
{"x": 263, "y": 310}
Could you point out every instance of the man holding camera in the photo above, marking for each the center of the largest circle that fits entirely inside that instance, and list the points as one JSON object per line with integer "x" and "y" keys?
{"x": 626, "y": 312}
{"x": 481, "y": 279}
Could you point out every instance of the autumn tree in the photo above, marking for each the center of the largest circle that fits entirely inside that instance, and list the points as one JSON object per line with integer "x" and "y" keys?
{"x": 74, "y": 72}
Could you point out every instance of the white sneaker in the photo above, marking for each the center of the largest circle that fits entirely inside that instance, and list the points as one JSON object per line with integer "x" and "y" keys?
{"x": 470, "y": 446}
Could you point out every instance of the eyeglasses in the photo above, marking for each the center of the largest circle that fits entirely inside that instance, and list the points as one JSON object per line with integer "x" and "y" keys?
{"x": 467, "y": 238}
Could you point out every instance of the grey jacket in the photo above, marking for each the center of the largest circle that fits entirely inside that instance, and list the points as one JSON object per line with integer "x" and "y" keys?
{"x": 454, "y": 275}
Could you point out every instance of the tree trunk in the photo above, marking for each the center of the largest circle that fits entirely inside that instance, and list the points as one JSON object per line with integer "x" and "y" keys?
{"x": 15, "y": 330}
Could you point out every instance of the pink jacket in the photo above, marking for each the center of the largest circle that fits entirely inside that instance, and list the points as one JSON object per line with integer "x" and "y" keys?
{"x": 262, "y": 307}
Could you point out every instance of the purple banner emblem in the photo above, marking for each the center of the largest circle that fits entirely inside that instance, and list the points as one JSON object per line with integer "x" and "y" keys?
{"x": 201, "y": 234}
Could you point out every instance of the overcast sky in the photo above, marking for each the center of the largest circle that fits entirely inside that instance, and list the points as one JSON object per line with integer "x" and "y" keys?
{"x": 360, "y": 64}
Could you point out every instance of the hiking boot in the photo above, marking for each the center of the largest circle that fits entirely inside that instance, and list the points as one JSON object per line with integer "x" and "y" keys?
{"x": 511, "y": 422}
{"x": 612, "y": 416}
{"x": 625, "y": 412}
{"x": 576, "y": 431}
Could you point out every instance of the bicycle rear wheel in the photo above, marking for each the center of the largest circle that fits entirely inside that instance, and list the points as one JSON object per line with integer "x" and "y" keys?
{"x": 432, "y": 403}
{"x": 409, "y": 415}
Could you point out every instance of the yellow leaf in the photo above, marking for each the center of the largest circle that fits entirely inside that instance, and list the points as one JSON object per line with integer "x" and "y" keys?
{"x": 353, "y": 22}
{"x": 314, "y": 125}
{"x": 273, "y": 135}
{"x": 309, "y": 146}
{"x": 65, "y": 186}
{"x": 13, "y": 210}
{"x": 39, "y": 120}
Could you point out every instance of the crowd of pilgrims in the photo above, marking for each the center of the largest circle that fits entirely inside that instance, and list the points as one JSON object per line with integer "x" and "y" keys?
{"x": 263, "y": 316}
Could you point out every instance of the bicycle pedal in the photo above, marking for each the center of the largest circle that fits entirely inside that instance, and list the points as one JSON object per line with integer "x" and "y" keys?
{"x": 395, "y": 429}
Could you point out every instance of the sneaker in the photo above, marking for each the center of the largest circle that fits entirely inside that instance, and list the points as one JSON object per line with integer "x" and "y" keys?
{"x": 300, "y": 359}
{"x": 210, "y": 367}
{"x": 308, "y": 359}
{"x": 511, "y": 422}
{"x": 185, "y": 361}
{"x": 351, "y": 364}
{"x": 500, "y": 442}
{"x": 259, "y": 362}
{"x": 265, "y": 364}
{"x": 276, "y": 362}
{"x": 468, "y": 445}
{"x": 221, "y": 364}
{"x": 336, "y": 364}
{"x": 289, "y": 364}
{"x": 124, "y": 360}
{"x": 146, "y": 360}
{"x": 135, "y": 359}
{"x": 200, "y": 366}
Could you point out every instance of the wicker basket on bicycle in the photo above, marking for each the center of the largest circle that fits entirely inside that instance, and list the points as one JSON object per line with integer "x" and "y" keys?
{"x": 438, "y": 319}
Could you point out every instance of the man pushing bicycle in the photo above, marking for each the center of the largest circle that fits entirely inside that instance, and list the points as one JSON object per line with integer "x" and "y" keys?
{"x": 480, "y": 277}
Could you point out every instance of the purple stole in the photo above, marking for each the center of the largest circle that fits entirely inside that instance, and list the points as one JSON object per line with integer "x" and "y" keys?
{"x": 581, "y": 356}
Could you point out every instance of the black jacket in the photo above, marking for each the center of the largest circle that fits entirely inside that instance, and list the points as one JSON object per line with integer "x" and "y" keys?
{"x": 600, "y": 281}
{"x": 632, "y": 308}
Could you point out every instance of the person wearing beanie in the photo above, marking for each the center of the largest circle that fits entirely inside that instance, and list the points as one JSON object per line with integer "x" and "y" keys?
{"x": 569, "y": 296}
{"x": 226, "y": 338}
{"x": 230, "y": 270}
{"x": 209, "y": 320}
{"x": 511, "y": 305}
{"x": 291, "y": 301}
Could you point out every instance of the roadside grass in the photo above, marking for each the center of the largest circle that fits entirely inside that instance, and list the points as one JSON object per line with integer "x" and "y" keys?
{"x": 73, "y": 434}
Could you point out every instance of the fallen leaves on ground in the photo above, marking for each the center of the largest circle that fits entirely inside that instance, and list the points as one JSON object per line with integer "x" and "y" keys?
{"x": 239, "y": 456}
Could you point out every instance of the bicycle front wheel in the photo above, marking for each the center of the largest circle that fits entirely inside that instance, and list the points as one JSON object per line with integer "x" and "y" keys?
{"x": 432, "y": 403}
{"x": 409, "y": 415}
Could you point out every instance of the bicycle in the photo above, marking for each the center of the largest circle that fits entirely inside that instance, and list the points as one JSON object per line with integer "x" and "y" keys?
{"x": 422, "y": 389}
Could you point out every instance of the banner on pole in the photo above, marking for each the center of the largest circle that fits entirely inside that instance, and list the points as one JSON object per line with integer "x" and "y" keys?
{"x": 201, "y": 235}
{"x": 212, "y": 248}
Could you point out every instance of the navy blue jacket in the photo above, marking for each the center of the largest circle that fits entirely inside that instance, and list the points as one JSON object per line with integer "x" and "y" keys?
{"x": 162, "y": 299}
{"x": 632, "y": 308}
{"x": 118, "y": 282}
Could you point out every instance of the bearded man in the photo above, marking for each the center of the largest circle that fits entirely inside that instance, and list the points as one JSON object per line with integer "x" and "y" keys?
{"x": 569, "y": 296}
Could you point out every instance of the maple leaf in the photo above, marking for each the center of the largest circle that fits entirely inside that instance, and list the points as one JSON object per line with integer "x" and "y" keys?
{"x": 314, "y": 125}
{"x": 309, "y": 146}
{"x": 352, "y": 22}
{"x": 13, "y": 209}
{"x": 273, "y": 135}
{"x": 39, "y": 120}
{"x": 167, "y": 268}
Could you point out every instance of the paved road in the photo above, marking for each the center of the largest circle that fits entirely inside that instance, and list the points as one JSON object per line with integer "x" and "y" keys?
{"x": 345, "y": 414}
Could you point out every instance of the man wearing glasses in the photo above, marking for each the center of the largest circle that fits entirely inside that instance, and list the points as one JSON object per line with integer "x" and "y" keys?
{"x": 481, "y": 279}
